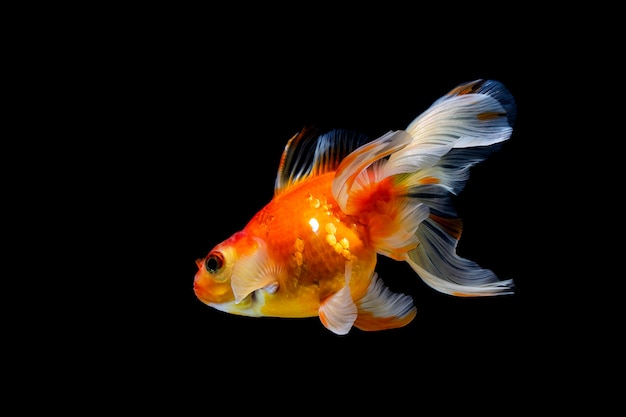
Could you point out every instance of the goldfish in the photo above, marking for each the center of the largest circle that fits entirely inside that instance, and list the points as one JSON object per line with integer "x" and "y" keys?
{"x": 341, "y": 200}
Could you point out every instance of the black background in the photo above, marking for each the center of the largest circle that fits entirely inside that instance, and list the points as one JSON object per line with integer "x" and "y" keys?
{"x": 188, "y": 127}
{"x": 139, "y": 136}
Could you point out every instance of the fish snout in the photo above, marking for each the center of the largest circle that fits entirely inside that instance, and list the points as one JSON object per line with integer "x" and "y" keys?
{"x": 210, "y": 291}
{"x": 200, "y": 287}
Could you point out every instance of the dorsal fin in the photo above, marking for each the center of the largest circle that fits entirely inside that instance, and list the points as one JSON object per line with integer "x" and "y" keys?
{"x": 309, "y": 153}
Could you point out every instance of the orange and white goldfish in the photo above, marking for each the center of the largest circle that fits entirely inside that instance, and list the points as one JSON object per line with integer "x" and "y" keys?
{"x": 340, "y": 200}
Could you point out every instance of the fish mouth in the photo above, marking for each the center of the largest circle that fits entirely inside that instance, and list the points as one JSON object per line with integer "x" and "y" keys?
{"x": 200, "y": 292}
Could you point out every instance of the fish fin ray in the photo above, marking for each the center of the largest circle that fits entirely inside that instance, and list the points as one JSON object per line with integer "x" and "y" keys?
{"x": 253, "y": 272}
{"x": 381, "y": 309}
{"x": 482, "y": 115}
{"x": 310, "y": 153}
{"x": 492, "y": 88}
{"x": 368, "y": 156}
{"x": 338, "y": 312}
{"x": 435, "y": 260}
{"x": 451, "y": 172}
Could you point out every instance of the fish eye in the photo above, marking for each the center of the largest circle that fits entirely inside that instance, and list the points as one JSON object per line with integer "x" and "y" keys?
{"x": 214, "y": 262}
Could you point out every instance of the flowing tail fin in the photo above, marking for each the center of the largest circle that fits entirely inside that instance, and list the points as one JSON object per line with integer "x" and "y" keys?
{"x": 401, "y": 185}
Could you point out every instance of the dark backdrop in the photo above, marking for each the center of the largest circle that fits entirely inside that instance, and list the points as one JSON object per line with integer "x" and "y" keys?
{"x": 189, "y": 140}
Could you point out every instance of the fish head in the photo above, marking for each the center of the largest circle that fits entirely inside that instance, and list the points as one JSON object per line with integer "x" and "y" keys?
{"x": 217, "y": 282}
{"x": 212, "y": 282}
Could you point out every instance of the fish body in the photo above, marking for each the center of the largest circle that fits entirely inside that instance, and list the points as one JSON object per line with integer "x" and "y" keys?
{"x": 341, "y": 200}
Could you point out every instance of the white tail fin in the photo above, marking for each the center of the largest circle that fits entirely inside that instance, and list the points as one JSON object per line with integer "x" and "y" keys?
{"x": 401, "y": 183}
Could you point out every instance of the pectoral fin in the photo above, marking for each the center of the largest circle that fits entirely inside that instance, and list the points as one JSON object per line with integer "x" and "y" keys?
{"x": 253, "y": 272}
